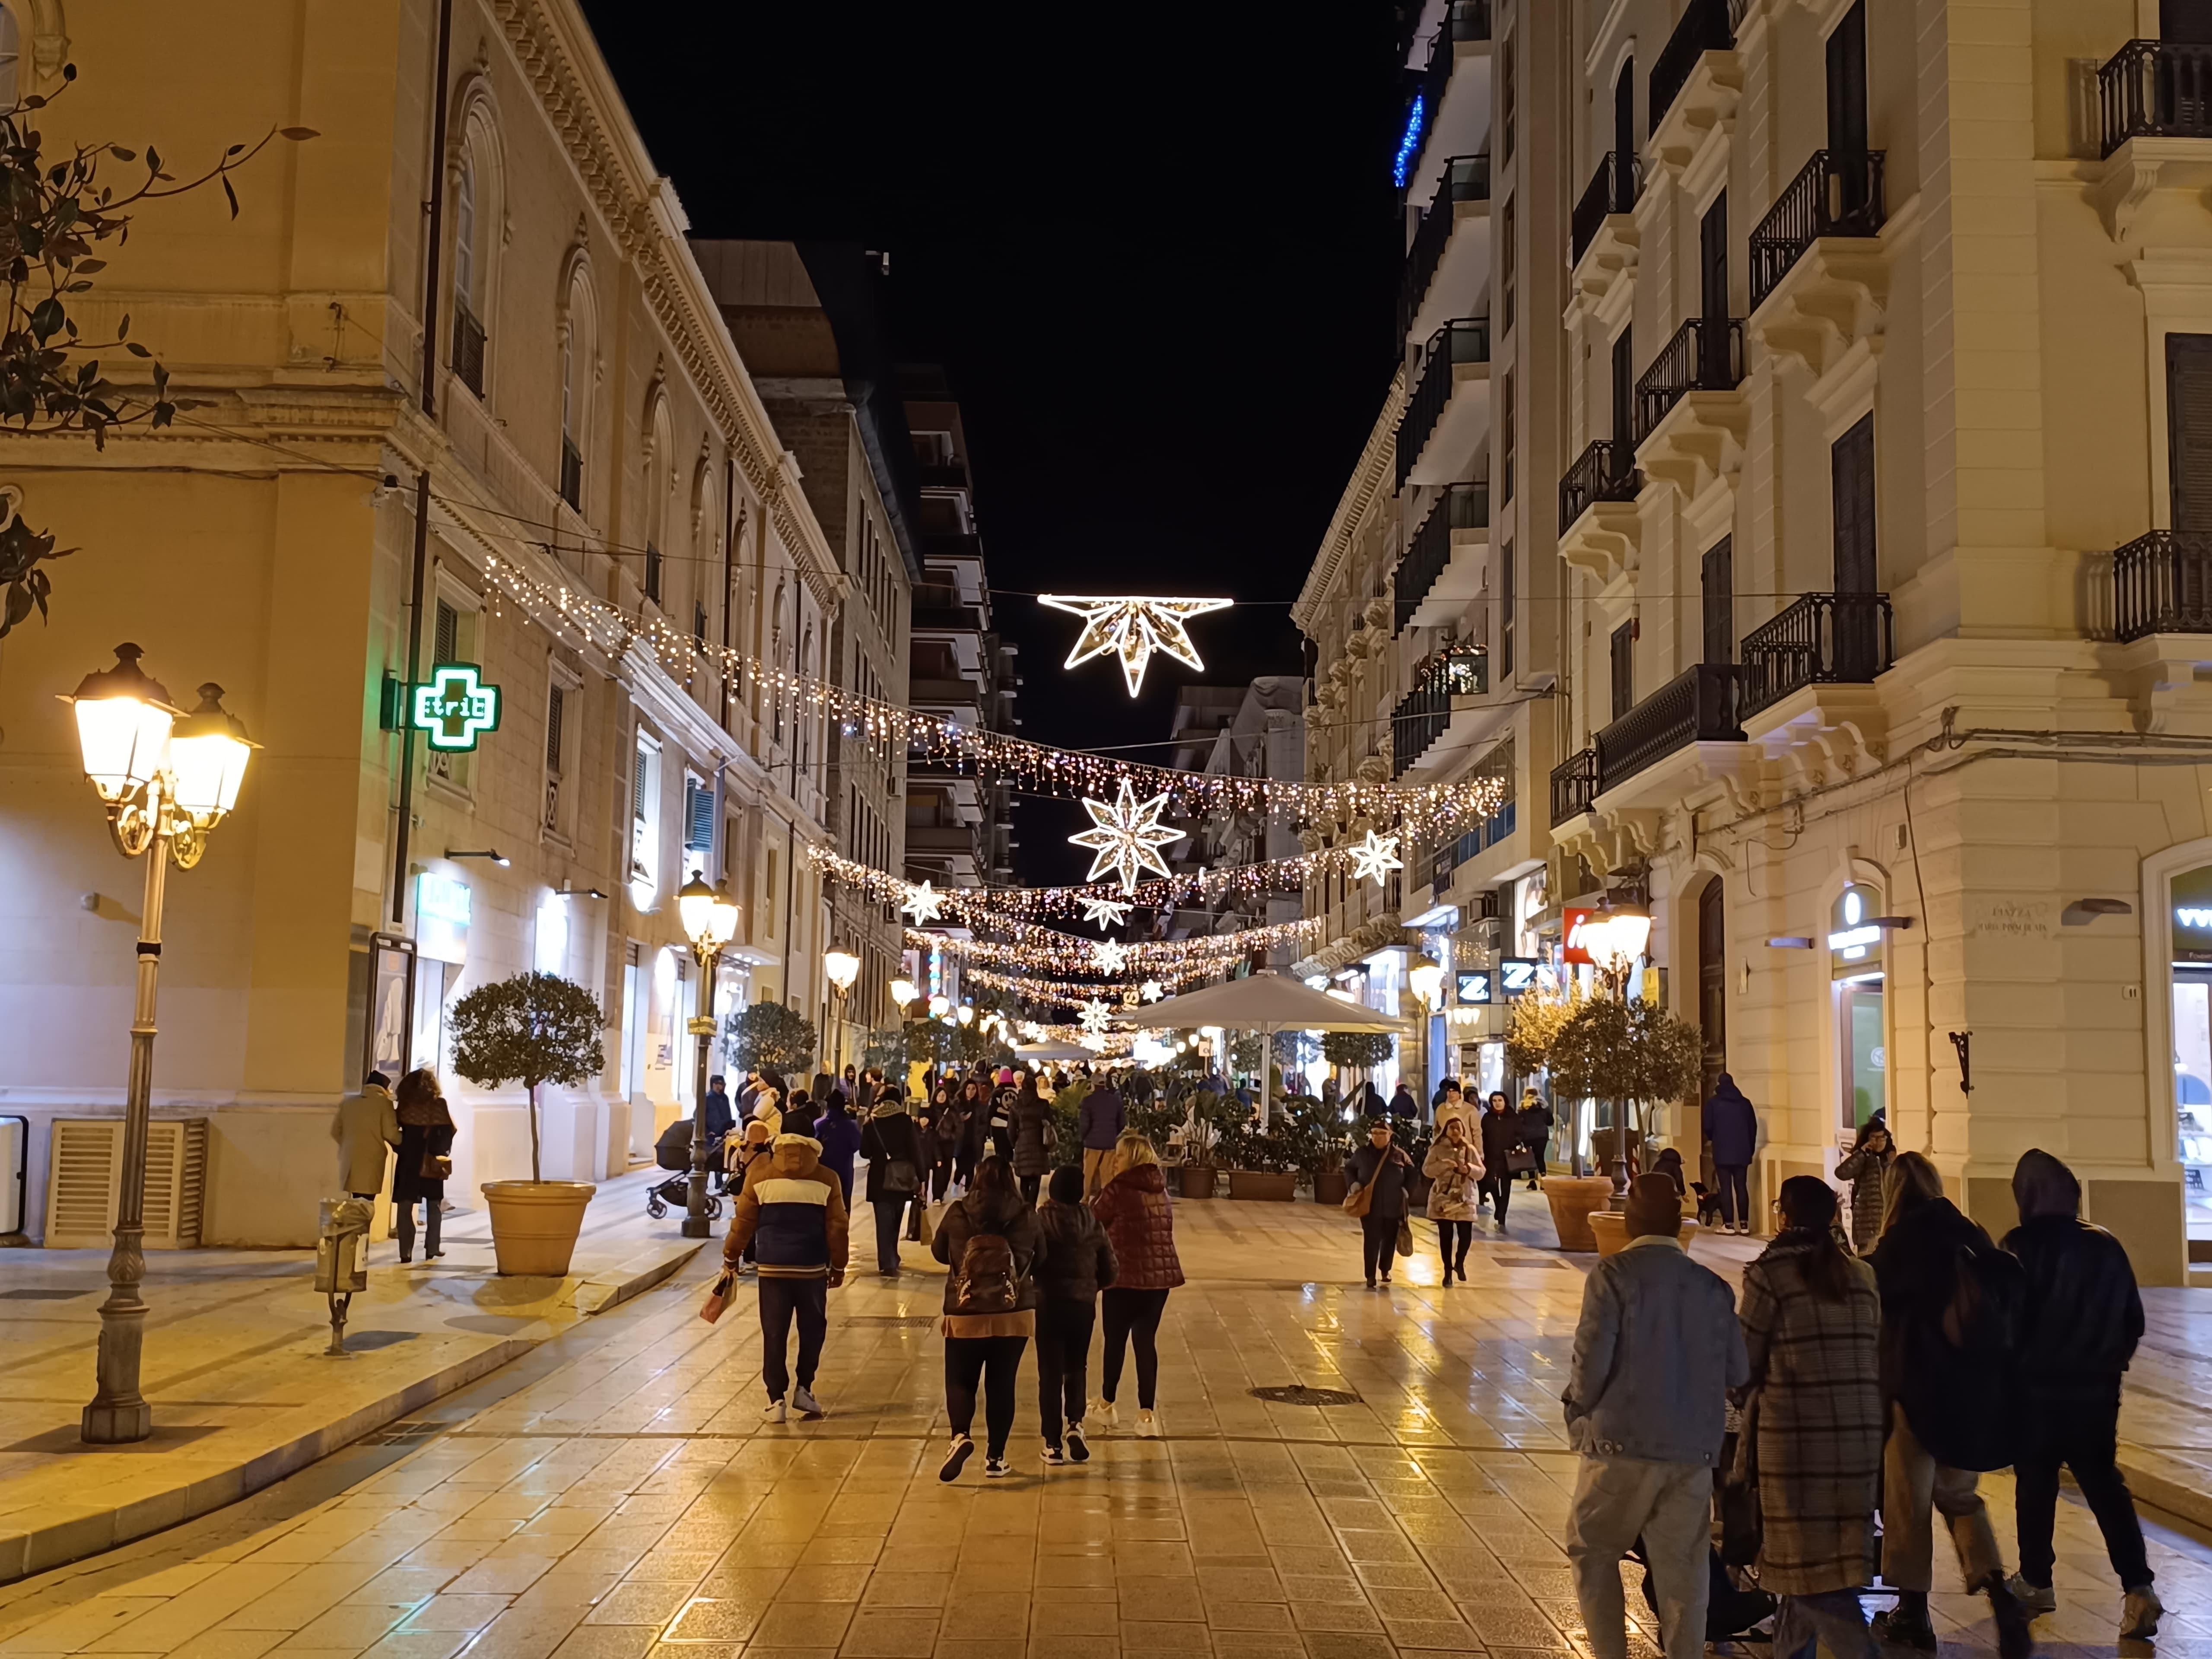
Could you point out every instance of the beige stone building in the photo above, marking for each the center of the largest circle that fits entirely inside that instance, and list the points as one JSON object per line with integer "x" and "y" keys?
{"x": 586, "y": 428}
{"x": 1879, "y": 567}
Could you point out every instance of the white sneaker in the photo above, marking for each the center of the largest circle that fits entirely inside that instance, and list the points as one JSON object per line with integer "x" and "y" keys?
{"x": 1053, "y": 1454}
{"x": 1102, "y": 1411}
{"x": 996, "y": 1469}
{"x": 804, "y": 1403}
{"x": 1078, "y": 1446}
{"x": 776, "y": 1411}
{"x": 956, "y": 1459}
{"x": 1148, "y": 1426}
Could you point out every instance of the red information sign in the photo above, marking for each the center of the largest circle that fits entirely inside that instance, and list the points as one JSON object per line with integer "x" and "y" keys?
{"x": 1572, "y": 924}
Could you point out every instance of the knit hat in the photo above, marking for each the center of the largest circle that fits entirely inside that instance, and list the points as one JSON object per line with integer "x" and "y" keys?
{"x": 1655, "y": 1205}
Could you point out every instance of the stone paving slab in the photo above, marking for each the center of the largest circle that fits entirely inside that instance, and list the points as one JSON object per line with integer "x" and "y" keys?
{"x": 242, "y": 1390}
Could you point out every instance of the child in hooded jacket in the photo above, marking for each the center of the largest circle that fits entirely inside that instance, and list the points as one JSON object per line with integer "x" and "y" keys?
{"x": 1079, "y": 1264}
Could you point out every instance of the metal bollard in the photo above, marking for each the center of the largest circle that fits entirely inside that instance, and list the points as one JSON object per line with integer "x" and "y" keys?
{"x": 341, "y": 1260}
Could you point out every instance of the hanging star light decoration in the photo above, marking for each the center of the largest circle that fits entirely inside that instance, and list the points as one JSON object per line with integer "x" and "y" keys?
{"x": 1375, "y": 857}
{"x": 1133, "y": 627}
{"x": 1151, "y": 990}
{"x": 1111, "y": 956}
{"x": 1094, "y": 1016}
{"x": 1125, "y": 837}
{"x": 1033, "y": 1031}
{"x": 1106, "y": 912}
{"x": 922, "y": 903}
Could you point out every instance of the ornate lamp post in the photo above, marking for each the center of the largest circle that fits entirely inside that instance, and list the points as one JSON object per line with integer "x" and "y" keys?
{"x": 1615, "y": 939}
{"x": 167, "y": 780}
{"x": 842, "y": 967}
{"x": 709, "y": 917}
{"x": 1424, "y": 977}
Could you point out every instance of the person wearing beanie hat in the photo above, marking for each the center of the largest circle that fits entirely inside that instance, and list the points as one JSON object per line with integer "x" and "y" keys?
{"x": 1656, "y": 1350}
{"x": 1079, "y": 1262}
{"x": 792, "y": 1213}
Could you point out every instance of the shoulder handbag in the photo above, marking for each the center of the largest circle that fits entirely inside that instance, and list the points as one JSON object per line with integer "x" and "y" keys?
{"x": 1520, "y": 1161}
{"x": 1360, "y": 1199}
{"x": 436, "y": 1166}
{"x": 718, "y": 1299}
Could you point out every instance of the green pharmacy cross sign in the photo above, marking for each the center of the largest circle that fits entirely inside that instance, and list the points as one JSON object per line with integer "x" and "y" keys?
{"x": 456, "y": 707}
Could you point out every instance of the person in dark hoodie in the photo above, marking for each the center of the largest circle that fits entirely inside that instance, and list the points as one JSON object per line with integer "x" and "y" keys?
{"x": 791, "y": 1212}
{"x": 1078, "y": 1263}
{"x": 1945, "y": 1384}
{"x": 892, "y": 1147}
{"x": 1731, "y": 1126}
{"x": 839, "y": 1133}
{"x": 2084, "y": 1317}
{"x": 993, "y": 1242}
{"x": 1098, "y": 1123}
{"x": 1501, "y": 1138}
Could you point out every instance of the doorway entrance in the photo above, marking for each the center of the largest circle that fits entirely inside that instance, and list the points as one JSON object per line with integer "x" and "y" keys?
{"x": 1859, "y": 978}
{"x": 2192, "y": 1045}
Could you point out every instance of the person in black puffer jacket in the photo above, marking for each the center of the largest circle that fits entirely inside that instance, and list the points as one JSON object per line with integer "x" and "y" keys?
{"x": 2084, "y": 1318}
{"x": 1385, "y": 1173}
{"x": 986, "y": 1347}
{"x": 1079, "y": 1264}
{"x": 1501, "y": 1138}
{"x": 892, "y": 1147}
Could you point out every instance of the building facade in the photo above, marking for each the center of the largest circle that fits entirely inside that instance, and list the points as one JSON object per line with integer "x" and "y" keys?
{"x": 466, "y": 398}
{"x": 1254, "y": 730}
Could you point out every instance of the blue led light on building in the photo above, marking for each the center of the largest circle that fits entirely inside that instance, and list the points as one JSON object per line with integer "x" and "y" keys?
{"x": 1409, "y": 145}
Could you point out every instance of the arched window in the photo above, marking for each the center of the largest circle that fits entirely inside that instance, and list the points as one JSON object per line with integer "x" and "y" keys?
{"x": 11, "y": 52}
{"x": 476, "y": 221}
{"x": 579, "y": 380}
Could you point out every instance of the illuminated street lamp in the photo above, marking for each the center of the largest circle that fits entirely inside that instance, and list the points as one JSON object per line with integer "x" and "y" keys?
{"x": 903, "y": 991}
{"x": 937, "y": 1004}
{"x": 709, "y": 917}
{"x": 966, "y": 1015}
{"x": 167, "y": 780}
{"x": 1615, "y": 939}
{"x": 1424, "y": 977}
{"x": 841, "y": 967}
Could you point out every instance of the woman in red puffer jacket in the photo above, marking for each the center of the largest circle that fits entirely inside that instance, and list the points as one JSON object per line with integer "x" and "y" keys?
{"x": 1139, "y": 1224}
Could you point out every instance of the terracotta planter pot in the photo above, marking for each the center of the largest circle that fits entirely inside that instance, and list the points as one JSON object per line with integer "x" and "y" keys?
{"x": 1330, "y": 1187}
{"x": 1573, "y": 1199}
{"x": 534, "y": 1224}
{"x": 1263, "y": 1185}
{"x": 1611, "y": 1228}
{"x": 1198, "y": 1181}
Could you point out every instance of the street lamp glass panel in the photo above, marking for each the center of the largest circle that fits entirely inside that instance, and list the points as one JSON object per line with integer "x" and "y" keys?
{"x": 842, "y": 967}
{"x": 937, "y": 1004}
{"x": 904, "y": 991}
{"x": 966, "y": 1015}
{"x": 123, "y": 741}
{"x": 1629, "y": 931}
{"x": 1426, "y": 978}
{"x": 708, "y": 915}
{"x": 208, "y": 753}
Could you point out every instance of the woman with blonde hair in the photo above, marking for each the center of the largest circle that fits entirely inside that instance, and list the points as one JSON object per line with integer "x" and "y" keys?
{"x": 1140, "y": 1222}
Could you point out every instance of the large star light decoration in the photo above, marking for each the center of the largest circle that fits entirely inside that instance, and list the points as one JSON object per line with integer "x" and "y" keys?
{"x": 1093, "y": 1016}
{"x": 1106, "y": 912}
{"x": 1375, "y": 857}
{"x": 1111, "y": 956}
{"x": 1125, "y": 837}
{"x": 1133, "y": 627}
{"x": 922, "y": 903}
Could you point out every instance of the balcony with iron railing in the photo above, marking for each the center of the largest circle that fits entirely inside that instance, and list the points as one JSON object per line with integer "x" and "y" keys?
{"x": 2162, "y": 584}
{"x": 1699, "y": 705}
{"x": 572, "y": 473}
{"x": 468, "y": 350}
{"x": 1461, "y": 507}
{"x": 1605, "y": 471}
{"x": 1823, "y": 639}
{"x": 1836, "y": 193}
{"x": 1465, "y": 340}
{"x": 1423, "y": 713}
{"x": 1612, "y": 189}
{"x": 1467, "y": 179}
{"x": 2155, "y": 89}
{"x": 1574, "y": 786}
{"x": 1705, "y": 354}
{"x": 1704, "y": 27}
{"x": 1464, "y": 20}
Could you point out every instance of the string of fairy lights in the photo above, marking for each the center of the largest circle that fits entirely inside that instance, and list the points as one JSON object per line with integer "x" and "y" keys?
{"x": 1111, "y": 957}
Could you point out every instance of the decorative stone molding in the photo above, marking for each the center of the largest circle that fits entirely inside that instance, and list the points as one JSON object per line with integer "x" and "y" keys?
{"x": 1700, "y": 442}
{"x": 1823, "y": 734}
{"x": 1703, "y": 109}
{"x": 1605, "y": 541}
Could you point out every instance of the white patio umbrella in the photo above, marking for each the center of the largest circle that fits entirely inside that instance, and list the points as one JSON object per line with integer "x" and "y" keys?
{"x": 1265, "y": 1003}
{"x": 1051, "y": 1051}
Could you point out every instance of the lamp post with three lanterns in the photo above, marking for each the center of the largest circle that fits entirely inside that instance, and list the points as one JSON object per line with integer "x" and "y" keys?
{"x": 709, "y": 918}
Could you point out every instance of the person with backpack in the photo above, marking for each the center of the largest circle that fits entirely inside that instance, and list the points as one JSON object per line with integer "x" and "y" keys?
{"x": 1812, "y": 1445}
{"x": 2083, "y": 1318}
{"x": 992, "y": 1242}
{"x": 1034, "y": 1138}
{"x": 893, "y": 1148}
{"x": 790, "y": 1219}
{"x": 1079, "y": 1262}
{"x": 1140, "y": 1221}
{"x": 1951, "y": 1303}
{"x": 1731, "y": 1127}
{"x": 1656, "y": 1350}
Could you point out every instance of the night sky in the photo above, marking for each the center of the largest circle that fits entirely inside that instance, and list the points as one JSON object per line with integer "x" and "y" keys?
{"x": 1156, "y": 245}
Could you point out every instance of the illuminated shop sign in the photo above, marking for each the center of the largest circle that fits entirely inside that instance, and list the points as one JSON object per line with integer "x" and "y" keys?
{"x": 455, "y": 707}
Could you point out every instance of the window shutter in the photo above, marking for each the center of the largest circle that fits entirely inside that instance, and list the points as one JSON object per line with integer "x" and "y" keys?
{"x": 637, "y": 786}
{"x": 1505, "y": 614}
{"x": 1624, "y": 669}
{"x": 556, "y": 700}
{"x": 2188, "y": 429}
{"x": 698, "y": 815}
{"x": 1720, "y": 601}
{"x": 445, "y": 644}
{"x": 1852, "y": 467}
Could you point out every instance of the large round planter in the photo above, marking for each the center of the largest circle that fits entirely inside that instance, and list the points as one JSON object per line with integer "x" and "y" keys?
{"x": 1611, "y": 1228}
{"x": 1198, "y": 1181}
{"x": 534, "y": 1224}
{"x": 1573, "y": 1199}
{"x": 1263, "y": 1185}
{"x": 1330, "y": 1187}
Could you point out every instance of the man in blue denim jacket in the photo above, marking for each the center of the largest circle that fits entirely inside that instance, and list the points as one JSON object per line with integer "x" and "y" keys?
{"x": 1657, "y": 1351}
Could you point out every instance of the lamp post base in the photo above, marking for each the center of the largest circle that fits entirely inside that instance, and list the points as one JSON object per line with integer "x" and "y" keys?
{"x": 123, "y": 1423}
{"x": 697, "y": 1226}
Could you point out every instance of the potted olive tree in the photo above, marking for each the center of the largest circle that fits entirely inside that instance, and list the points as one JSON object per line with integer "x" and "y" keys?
{"x": 1358, "y": 1051}
{"x": 1624, "y": 1053}
{"x": 533, "y": 1028}
{"x": 1531, "y": 1036}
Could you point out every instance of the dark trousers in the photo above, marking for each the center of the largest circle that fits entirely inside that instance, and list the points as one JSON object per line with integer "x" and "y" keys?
{"x": 994, "y": 1361}
{"x": 1063, "y": 1363}
{"x": 1536, "y": 1149}
{"x": 940, "y": 1180}
{"x": 1735, "y": 1192}
{"x": 1030, "y": 1185}
{"x": 2079, "y": 1430}
{"x": 781, "y": 1298}
{"x": 431, "y": 1219}
{"x": 889, "y": 1210}
{"x": 1378, "y": 1244}
{"x": 1499, "y": 1187}
{"x": 1131, "y": 1316}
{"x": 1453, "y": 1238}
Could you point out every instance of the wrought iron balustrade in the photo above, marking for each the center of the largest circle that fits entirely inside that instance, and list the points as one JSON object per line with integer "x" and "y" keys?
{"x": 1465, "y": 340}
{"x": 1574, "y": 786}
{"x": 1697, "y": 706}
{"x": 1605, "y": 472}
{"x": 1836, "y": 193}
{"x": 1705, "y": 354}
{"x": 1704, "y": 28}
{"x": 2156, "y": 89}
{"x": 1823, "y": 639}
{"x": 1612, "y": 189}
{"x": 1461, "y": 507}
{"x": 2162, "y": 584}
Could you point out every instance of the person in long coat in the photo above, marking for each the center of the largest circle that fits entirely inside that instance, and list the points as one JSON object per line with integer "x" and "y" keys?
{"x": 1812, "y": 1328}
{"x": 1865, "y": 1165}
{"x": 1385, "y": 1173}
{"x": 426, "y": 1138}
{"x": 1454, "y": 1167}
{"x": 1032, "y": 1130}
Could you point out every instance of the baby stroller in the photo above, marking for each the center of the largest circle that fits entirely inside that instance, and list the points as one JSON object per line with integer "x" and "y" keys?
{"x": 674, "y": 1152}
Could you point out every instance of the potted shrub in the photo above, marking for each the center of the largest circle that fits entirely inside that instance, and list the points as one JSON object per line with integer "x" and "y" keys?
{"x": 533, "y": 1028}
{"x": 1323, "y": 1145}
{"x": 768, "y": 1035}
{"x": 1358, "y": 1051}
{"x": 1216, "y": 1122}
{"x": 1531, "y": 1036}
{"x": 1265, "y": 1165}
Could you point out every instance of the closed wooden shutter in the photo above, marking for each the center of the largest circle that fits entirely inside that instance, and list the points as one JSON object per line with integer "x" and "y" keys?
{"x": 1624, "y": 669}
{"x": 1505, "y": 614}
{"x": 446, "y": 644}
{"x": 2188, "y": 429}
{"x": 557, "y": 701}
{"x": 1852, "y": 469}
{"x": 1719, "y": 580}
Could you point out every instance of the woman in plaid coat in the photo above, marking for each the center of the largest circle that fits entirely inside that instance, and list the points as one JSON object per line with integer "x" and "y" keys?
{"x": 1812, "y": 1320}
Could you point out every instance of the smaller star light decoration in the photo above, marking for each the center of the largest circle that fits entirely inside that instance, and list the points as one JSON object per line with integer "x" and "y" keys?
{"x": 1094, "y": 1017}
{"x": 1374, "y": 858}
{"x": 1133, "y": 626}
{"x": 1111, "y": 956}
{"x": 922, "y": 903}
{"x": 1033, "y": 1031}
{"x": 1152, "y": 990}
{"x": 1106, "y": 912}
{"x": 1127, "y": 836}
